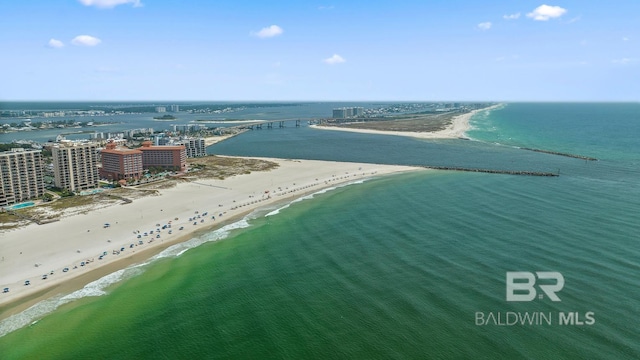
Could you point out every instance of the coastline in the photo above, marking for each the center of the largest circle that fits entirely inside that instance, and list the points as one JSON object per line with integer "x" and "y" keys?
{"x": 85, "y": 237}
{"x": 210, "y": 140}
{"x": 456, "y": 130}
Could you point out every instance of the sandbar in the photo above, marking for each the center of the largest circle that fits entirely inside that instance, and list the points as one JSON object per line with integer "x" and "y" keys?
{"x": 456, "y": 130}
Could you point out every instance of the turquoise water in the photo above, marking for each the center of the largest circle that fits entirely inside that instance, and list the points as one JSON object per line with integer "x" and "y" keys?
{"x": 395, "y": 267}
{"x": 20, "y": 206}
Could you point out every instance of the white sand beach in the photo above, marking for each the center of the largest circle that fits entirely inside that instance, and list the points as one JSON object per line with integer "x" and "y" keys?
{"x": 459, "y": 125}
{"x": 210, "y": 140}
{"x": 32, "y": 251}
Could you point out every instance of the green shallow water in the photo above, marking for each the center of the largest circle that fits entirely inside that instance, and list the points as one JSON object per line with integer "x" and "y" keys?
{"x": 395, "y": 267}
{"x": 392, "y": 268}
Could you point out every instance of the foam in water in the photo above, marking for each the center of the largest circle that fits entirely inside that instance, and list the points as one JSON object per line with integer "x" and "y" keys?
{"x": 97, "y": 288}
{"x": 181, "y": 248}
{"x": 310, "y": 196}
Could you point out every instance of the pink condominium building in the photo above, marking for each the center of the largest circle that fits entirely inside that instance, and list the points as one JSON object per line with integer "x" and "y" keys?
{"x": 123, "y": 163}
{"x": 167, "y": 157}
{"x": 119, "y": 164}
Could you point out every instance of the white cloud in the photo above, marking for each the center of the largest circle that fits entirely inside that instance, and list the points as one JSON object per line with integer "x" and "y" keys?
{"x": 484, "y": 25}
{"x": 108, "y": 4}
{"x": 54, "y": 43}
{"x": 85, "y": 40}
{"x": 326, "y": 7}
{"x": 546, "y": 12}
{"x": 511, "y": 16}
{"x": 625, "y": 39}
{"x": 623, "y": 61}
{"x": 271, "y": 31}
{"x": 335, "y": 59}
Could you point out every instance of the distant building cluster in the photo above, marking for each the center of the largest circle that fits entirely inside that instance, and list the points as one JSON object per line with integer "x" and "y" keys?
{"x": 49, "y": 114}
{"x": 188, "y": 128}
{"x": 79, "y": 165}
{"x": 163, "y": 109}
{"x": 348, "y": 112}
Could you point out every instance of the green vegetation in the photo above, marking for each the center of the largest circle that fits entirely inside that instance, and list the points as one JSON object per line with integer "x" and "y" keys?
{"x": 9, "y": 221}
{"x": 223, "y": 167}
{"x": 69, "y": 202}
{"x": 410, "y": 122}
{"x": 61, "y": 192}
{"x": 7, "y": 147}
{"x": 165, "y": 117}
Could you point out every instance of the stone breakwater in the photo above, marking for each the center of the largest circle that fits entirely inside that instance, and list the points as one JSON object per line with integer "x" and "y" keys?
{"x": 491, "y": 171}
{"x": 582, "y": 157}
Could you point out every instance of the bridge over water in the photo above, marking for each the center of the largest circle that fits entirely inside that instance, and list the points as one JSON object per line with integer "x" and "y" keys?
{"x": 258, "y": 124}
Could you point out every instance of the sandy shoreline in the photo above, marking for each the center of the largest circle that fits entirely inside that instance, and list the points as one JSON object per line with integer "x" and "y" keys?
{"x": 456, "y": 130}
{"x": 83, "y": 238}
{"x": 210, "y": 140}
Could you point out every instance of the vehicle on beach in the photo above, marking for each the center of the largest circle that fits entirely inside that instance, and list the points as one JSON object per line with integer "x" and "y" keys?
{"x": 27, "y": 282}
{"x": 5, "y": 290}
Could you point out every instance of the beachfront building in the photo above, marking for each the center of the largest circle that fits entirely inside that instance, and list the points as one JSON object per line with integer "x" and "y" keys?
{"x": 166, "y": 157}
{"x": 184, "y": 129}
{"x": 195, "y": 147}
{"x": 348, "y": 112}
{"x": 120, "y": 163}
{"x": 21, "y": 176}
{"x": 75, "y": 165}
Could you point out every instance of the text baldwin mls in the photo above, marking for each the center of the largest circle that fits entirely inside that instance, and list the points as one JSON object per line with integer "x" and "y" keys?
{"x": 521, "y": 287}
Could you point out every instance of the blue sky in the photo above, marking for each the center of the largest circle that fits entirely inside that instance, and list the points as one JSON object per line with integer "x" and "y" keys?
{"x": 462, "y": 50}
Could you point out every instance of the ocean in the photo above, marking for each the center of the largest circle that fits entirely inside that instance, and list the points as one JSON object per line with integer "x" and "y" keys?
{"x": 404, "y": 266}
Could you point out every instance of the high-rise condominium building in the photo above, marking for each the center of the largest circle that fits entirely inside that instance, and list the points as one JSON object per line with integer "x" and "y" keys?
{"x": 195, "y": 147}
{"x": 75, "y": 165}
{"x": 21, "y": 176}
